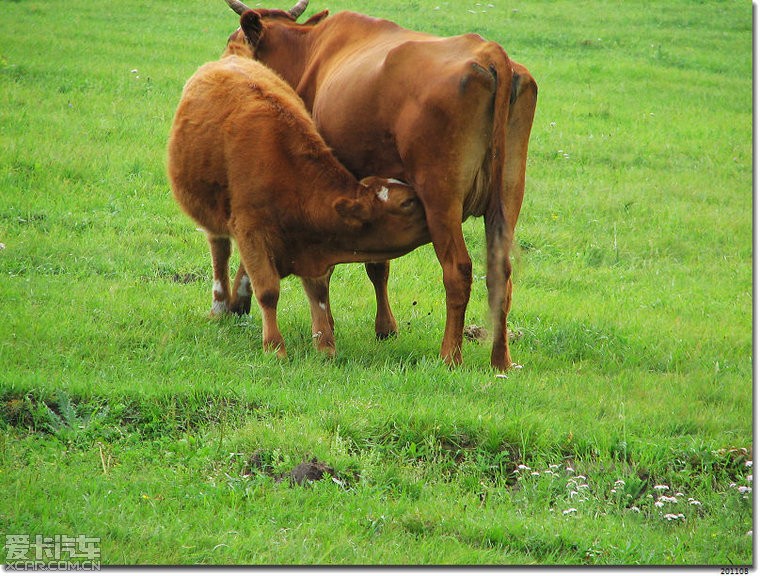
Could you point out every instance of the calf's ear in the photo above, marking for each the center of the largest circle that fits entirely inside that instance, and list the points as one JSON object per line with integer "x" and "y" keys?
{"x": 250, "y": 24}
{"x": 353, "y": 212}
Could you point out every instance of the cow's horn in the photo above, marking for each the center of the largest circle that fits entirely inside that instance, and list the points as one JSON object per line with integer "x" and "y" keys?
{"x": 237, "y": 6}
{"x": 298, "y": 9}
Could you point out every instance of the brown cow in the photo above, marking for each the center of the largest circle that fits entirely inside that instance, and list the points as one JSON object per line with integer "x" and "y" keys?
{"x": 451, "y": 116}
{"x": 245, "y": 161}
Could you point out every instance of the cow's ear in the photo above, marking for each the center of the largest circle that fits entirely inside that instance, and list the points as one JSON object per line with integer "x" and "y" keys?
{"x": 353, "y": 212}
{"x": 317, "y": 18}
{"x": 250, "y": 24}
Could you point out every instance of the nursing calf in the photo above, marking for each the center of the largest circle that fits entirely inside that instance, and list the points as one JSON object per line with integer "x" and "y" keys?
{"x": 246, "y": 163}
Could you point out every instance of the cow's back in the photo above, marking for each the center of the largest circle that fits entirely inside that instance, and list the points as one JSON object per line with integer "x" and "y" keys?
{"x": 228, "y": 111}
{"x": 410, "y": 94}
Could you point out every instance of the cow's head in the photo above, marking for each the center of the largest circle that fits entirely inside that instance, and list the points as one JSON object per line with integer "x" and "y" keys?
{"x": 385, "y": 216}
{"x": 270, "y": 34}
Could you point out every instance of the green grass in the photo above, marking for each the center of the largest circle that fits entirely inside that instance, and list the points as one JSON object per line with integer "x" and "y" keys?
{"x": 127, "y": 414}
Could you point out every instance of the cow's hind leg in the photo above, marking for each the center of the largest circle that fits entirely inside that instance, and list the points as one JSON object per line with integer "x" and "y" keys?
{"x": 266, "y": 287}
{"x": 385, "y": 323}
{"x": 241, "y": 292}
{"x": 502, "y": 214}
{"x": 322, "y": 322}
{"x": 221, "y": 248}
{"x": 499, "y": 283}
{"x": 452, "y": 254}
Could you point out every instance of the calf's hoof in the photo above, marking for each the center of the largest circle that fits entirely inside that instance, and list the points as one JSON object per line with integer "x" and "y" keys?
{"x": 324, "y": 343}
{"x": 218, "y": 309}
{"x": 241, "y": 308}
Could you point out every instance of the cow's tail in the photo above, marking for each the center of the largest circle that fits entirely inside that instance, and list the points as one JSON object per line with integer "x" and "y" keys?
{"x": 514, "y": 107}
{"x": 498, "y": 231}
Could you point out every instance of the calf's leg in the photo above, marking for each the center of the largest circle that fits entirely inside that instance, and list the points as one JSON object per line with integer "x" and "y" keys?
{"x": 241, "y": 292}
{"x": 385, "y": 323}
{"x": 266, "y": 287}
{"x": 322, "y": 322}
{"x": 221, "y": 248}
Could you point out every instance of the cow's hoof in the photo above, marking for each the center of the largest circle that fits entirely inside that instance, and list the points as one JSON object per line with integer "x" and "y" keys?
{"x": 276, "y": 347}
{"x": 385, "y": 335}
{"x": 452, "y": 359}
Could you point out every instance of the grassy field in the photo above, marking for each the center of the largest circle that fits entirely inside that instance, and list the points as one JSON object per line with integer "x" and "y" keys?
{"x": 128, "y": 415}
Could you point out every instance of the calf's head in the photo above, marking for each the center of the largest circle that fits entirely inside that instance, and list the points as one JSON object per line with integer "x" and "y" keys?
{"x": 385, "y": 217}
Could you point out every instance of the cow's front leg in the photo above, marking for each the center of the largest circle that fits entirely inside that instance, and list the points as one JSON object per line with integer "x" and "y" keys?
{"x": 266, "y": 286}
{"x": 221, "y": 248}
{"x": 385, "y": 323}
{"x": 241, "y": 292}
{"x": 322, "y": 322}
{"x": 451, "y": 251}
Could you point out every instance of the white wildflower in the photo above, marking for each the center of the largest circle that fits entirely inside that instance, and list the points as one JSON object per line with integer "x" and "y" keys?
{"x": 670, "y": 517}
{"x": 523, "y": 467}
{"x": 748, "y": 463}
{"x": 662, "y": 487}
{"x": 659, "y": 504}
{"x": 669, "y": 499}
{"x": 694, "y": 502}
{"x": 619, "y": 482}
{"x": 635, "y": 509}
{"x": 535, "y": 473}
{"x": 744, "y": 489}
{"x": 569, "y": 511}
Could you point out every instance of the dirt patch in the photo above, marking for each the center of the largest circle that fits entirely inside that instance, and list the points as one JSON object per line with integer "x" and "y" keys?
{"x": 307, "y": 471}
{"x": 475, "y": 333}
{"x": 186, "y": 278}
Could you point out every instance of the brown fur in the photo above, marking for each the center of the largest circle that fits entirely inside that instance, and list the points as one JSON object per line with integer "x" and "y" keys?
{"x": 246, "y": 163}
{"x": 452, "y": 116}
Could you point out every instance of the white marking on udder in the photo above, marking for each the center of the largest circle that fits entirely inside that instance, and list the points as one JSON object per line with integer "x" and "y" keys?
{"x": 382, "y": 194}
{"x": 323, "y": 306}
{"x": 245, "y": 286}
